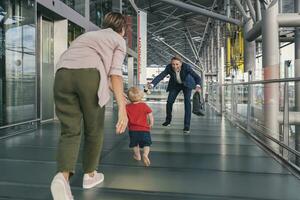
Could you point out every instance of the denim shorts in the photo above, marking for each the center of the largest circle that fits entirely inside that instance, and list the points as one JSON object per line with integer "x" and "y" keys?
{"x": 141, "y": 138}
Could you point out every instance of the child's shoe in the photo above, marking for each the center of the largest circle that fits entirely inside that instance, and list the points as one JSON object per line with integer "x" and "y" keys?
{"x": 60, "y": 188}
{"x": 89, "y": 182}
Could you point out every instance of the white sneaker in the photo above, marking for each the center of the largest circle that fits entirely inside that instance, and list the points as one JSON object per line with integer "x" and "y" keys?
{"x": 89, "y": 182}
{"x": 60, "y": 188}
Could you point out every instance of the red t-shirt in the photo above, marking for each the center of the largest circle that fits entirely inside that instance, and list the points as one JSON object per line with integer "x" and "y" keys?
{"x": 137, "y": 116}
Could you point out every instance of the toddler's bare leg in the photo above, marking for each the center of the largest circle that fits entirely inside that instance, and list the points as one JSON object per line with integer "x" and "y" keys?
{"x": 137, "y": 154}
{"x": 145, "y": 156}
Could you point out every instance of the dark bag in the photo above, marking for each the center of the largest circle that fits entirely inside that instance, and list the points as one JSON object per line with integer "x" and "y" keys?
{"x": 198, "y": 104}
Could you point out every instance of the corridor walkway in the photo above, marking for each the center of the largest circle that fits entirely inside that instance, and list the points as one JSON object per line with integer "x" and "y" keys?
{"x": 216, "y": 161}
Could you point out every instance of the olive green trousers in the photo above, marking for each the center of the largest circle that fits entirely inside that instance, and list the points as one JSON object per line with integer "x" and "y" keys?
{"x": 75, "y": 96}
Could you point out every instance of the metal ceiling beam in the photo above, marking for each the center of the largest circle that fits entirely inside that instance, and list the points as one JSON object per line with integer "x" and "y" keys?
{"x": 179, "y": 53}
{"x": 134, "y": 5}
{"x": 165, "y": 19}
{"x": 167, "y": 27}
{"x": 206, "y": 28}
{"x": 193, "y": 46}
{"x": 179, "y": 17}
{"x": 162, "y": 49}
{"x": 202, "y": 11}
{"x": 241, "y": 9}
{"x": 258, "y": 10}
{"x": 157, "y": 4}
{"x": 252, "y": 11}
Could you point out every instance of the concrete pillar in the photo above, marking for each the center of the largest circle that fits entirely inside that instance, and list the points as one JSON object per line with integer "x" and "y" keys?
{"x": 249, "y": 49}
{"x": 219, "y": 68}
{"x": 271, "y": 69}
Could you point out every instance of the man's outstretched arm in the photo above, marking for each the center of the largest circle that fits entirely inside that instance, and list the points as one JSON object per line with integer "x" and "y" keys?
{"x": 159, "y": 77}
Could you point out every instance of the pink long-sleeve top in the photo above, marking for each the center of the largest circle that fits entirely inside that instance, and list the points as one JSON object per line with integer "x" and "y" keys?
{"x": 104, "y": 50}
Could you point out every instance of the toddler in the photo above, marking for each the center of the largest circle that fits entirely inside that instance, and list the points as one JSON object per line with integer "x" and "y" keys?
{"x": 140, "y": 120}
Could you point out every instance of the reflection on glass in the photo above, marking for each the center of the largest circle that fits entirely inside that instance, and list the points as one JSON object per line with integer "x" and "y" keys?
{"x": 287, "y": 6}
{"x": 98, "y": 9}
{"x": 77, "y": 5}
{"x": 73, "y": 32}
{"x": 17, "y": 61}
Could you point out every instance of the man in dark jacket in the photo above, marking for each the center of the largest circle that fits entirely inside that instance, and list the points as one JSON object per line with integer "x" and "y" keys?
{"x": 182, "y": 77}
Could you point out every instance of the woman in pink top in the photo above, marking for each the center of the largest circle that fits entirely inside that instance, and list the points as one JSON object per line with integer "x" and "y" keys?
{"x": 81, "y": 90}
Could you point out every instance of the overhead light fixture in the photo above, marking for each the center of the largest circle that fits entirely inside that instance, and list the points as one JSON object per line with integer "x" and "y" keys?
{"x": 158, "y": 38}
{"x": 197, "y": 38}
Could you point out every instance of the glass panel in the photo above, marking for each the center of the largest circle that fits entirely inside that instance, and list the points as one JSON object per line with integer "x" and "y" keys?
{"x": 287, "y": 6}
{"x": 227, "y": 98}
{"x": 294, "y": 125}
{"x": 47, "y": 79}
{"x": 98, "y": 9}
{"x": 77, "y": 5}
{"x": 241, "y": 101}
{"x": 17, "y": 61}
{"x": 73, "y": 32}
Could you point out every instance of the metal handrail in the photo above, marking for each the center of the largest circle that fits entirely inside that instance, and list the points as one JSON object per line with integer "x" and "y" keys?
{"x": 271, "y": 138}
{"x": 17, "y": 124}
{"x": 283, "y": 80}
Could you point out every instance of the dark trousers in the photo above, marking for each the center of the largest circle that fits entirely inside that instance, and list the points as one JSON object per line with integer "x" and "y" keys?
{"x": 173, "y": 93}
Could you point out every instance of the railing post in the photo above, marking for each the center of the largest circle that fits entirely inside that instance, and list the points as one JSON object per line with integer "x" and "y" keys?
{"x": 249, "y": 102}
{"x": 232, "y": 98}
{"x": 285, "y": 152}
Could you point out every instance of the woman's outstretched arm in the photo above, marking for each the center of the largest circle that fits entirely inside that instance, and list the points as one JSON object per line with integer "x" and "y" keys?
{"x": 117, "y": 87}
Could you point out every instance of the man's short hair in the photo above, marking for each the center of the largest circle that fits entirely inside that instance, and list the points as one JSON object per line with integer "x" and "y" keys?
{"x": 177, "y": 57}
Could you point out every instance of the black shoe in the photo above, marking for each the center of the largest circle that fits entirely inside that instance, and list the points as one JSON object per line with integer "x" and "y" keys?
{"x": 166, "y": 124}
{"x": 186, "y": 130}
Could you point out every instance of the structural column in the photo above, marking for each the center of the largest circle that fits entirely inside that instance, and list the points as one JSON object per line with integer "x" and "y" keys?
{"x": 219, "y": 69}
{"x": 211, "y": 54}
{"x": 249, "y": 49}
{"x": 270, "y": 44}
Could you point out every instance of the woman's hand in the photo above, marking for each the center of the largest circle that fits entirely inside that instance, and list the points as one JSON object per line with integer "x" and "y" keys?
{"x": 122, "y": 121}
{"x": 117, "y": 87}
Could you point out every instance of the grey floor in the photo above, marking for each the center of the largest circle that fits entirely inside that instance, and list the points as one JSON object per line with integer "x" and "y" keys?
{"x": 217, "y": 161}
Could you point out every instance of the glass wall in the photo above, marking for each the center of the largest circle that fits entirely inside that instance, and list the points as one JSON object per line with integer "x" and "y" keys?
{"x": 73, "y": 32}
{"x": 98, "y": 9}
{"x": 77, "y": 5}
{"x": 18, "y": 75}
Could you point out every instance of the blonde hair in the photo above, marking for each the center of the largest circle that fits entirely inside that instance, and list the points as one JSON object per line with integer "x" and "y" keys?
{"x": 135, "y": 94}
{"x": 115, "y": 21}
